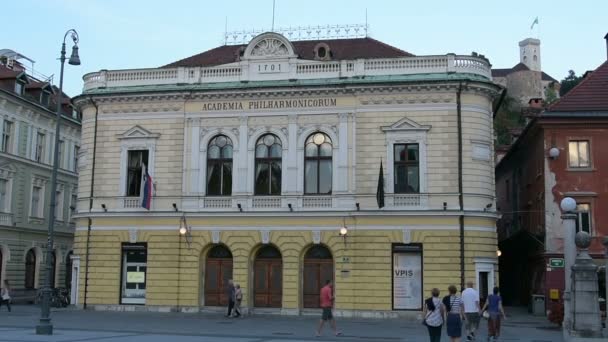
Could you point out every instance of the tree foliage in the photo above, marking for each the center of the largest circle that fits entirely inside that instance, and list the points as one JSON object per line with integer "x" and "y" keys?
{"x": 550, "y": 95}
{"x": 569, "y": 82}
{"x": 508, "y": 117}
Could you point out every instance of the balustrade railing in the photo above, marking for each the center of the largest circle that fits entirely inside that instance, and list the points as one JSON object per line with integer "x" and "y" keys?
{"x": 296, "y": 69}
{"x": 6, "y": 219}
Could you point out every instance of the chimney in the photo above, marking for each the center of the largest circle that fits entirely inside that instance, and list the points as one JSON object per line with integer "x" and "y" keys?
{"x": 606, "y": 37}
{"x": 535, "y": 103}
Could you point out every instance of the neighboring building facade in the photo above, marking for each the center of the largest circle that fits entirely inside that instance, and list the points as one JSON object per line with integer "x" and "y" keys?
{"x": 27, "y": 125}
{"x": 526, "y": 80}
{"x": 530, "y": 184}
{"x": 262, "y": 153}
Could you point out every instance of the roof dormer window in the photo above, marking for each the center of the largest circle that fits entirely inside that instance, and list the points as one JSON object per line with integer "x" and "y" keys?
{"x": 322, "y": 52}
{"x": 19, "y": 86}
{"x": 45, "y": 98}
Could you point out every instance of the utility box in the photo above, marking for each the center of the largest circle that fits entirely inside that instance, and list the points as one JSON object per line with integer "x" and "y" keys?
{"x": 538, "y": 305}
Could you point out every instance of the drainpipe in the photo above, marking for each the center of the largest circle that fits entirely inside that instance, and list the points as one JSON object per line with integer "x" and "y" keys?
{"x": 460, "y": 195}
{"x": 90, "y": 223}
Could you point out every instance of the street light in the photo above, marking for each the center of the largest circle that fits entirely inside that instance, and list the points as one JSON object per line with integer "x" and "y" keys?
{"x": 45, "y": 327}
{"x": 185, "y": 230}
{"x": 568, "y": 206}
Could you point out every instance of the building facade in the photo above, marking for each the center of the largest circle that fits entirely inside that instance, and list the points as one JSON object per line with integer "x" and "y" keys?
{"x": 559, "y": 154}
{"x": 257, "y": 156}
{"x": 27, "y": 122}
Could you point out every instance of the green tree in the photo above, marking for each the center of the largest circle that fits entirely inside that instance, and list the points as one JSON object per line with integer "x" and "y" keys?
{"x": 508, "y": 117}
{"x": 569, "y": 82}
{"x": 550, "y": 94}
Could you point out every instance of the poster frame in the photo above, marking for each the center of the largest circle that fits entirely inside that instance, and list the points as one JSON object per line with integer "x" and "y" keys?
{"x": 397, "y": 248}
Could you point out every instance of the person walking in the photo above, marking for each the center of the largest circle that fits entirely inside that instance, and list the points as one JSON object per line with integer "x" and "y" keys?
{"x": 5, "y": 295}
{"x": 230, "y": 292}
{"x": 433, "y": 315}
{"x": 470, "y": 301}
{"x": 238, "y": 298}
{"x": 453, "y": 314}
{"x": 327, "y": 302}
{"x": 495, "y": 311}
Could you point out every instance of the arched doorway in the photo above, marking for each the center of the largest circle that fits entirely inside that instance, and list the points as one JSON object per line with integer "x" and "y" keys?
{"x": 218, "y": 270}
{"x": 68, "y": 270}
{"x": 318, "y": 267}
{"x": 30, "y": 269}
{"x": 268, "y": 278}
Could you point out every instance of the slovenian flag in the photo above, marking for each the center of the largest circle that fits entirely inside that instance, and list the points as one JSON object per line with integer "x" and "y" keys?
{"x": 147, "y": 193}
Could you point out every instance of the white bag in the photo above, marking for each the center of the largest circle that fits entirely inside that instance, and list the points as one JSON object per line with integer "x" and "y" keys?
{"x": 5, "y": 295}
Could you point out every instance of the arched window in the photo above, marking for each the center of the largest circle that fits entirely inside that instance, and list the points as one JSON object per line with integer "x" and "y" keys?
{"x": 30, "y": 269}
{"x": 318, "y": 164}
{"x": 219, "y": 166}
{"x": 268, "y": 153}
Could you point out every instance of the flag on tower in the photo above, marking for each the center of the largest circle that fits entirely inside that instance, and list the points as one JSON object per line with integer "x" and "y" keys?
{"x": 147, "y": 193}
{"x": 535, "y": 22}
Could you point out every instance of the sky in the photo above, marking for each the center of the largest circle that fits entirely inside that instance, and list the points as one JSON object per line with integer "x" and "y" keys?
{"x": 130, "y": 34}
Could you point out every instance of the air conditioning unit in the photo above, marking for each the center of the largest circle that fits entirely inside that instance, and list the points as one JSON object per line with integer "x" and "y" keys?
{"x": 10, "y": 62}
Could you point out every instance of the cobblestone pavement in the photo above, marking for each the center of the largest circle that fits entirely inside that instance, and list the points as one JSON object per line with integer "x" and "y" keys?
{"x": 75, "y": 325}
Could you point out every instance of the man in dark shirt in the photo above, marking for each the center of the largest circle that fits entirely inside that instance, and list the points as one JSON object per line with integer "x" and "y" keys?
{"x": 230, "y": 292}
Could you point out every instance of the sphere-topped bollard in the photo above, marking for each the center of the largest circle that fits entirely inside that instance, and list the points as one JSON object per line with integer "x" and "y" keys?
{"x": 582, "y": 240}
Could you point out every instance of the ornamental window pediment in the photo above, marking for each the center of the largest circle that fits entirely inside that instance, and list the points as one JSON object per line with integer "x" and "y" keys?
{"x": 138, "y": 132}
{"x": 269, "y": 45}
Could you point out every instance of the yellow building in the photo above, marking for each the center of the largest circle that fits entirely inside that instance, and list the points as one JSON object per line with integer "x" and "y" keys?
{"x": 260, "y": 154}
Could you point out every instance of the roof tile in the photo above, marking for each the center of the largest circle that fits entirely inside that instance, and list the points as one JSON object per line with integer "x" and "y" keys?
{"x": 591, "y": 94}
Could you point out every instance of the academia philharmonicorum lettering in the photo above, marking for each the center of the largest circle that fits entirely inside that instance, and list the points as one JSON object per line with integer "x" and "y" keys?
{"x": 270, "y": 104}
{"x": 257, "y": 169}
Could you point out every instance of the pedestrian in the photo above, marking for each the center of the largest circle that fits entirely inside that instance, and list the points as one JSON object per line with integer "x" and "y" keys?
{"x": 495, "y": 311}
{"x": 433, "y": 313}
{"x": 470, "y": 300}
{"x": 230, "y": 294}
{"x": 5, "y": 295}
{"x": 238, "y": 298}
{"x": 453, "y": 314}
{"x": 327, "y": 302}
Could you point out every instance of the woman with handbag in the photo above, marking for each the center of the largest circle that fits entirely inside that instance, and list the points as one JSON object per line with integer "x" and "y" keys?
{"x": 5, "y": 294}
{"x": 495, "y": 311}
{"x": 433, "y": 313}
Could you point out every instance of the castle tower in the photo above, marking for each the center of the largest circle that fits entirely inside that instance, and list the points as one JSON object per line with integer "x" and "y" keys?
{"x": 529, "y": 53}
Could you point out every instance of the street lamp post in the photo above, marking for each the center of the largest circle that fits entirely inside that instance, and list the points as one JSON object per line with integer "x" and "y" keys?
{"x": 45, "y": 327}
{"x": 568, "y": 206}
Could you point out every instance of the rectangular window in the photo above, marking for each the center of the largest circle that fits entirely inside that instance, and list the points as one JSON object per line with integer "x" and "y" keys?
{"x": 7, "y": 130}
{"x": 135, "y": 163}
{"x": 134, "y": 267}
{"x": 59, "y": 205}
{"x": 3, "y": 196}
{"x": 18, "y": 88}
{"x": 60, "y": 154}
{"x": 45, "y": 96}
{"x": 36, "y": 198}
{"x": 40, "y": 143}
{"x": 578, "y": 152}
{"x": 75, "y": 161}
{"x": 73, "y": 203}
{"x": 583, "y": 222}
{"x": 406, "y": 168}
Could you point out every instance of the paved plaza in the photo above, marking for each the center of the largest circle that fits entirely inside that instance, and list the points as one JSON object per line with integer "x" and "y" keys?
{"x": 74, "y": 325}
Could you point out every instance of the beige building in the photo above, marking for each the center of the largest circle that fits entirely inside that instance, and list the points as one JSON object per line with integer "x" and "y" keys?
{"x": 265, "y": 162}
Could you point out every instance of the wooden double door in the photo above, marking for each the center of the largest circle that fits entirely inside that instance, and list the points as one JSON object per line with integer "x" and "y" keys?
{"x": 268, "y": 281}
{"x": 218, "y": 270}
{"x": 316, "y": 273}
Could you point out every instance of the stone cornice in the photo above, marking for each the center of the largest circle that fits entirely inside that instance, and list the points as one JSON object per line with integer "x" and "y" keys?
{"x": 426, "y": 92}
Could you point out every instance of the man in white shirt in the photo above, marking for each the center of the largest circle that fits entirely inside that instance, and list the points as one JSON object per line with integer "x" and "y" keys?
{"x": 470, "y": 300}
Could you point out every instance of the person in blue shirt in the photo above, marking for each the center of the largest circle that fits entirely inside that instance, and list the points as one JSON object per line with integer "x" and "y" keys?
{"x": 496, "y": 312}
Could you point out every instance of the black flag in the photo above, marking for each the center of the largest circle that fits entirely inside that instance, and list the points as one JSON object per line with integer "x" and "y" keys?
{"x": 380, "y": 191}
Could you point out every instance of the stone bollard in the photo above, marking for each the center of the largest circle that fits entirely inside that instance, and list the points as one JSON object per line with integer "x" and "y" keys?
{"x": 586, "y": 320}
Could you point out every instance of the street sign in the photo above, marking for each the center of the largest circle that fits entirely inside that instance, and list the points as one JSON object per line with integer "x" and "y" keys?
{"x": 556, "y": 262}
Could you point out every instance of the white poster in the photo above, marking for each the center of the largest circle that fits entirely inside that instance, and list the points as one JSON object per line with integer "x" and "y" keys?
{"x": 407, "y": 281}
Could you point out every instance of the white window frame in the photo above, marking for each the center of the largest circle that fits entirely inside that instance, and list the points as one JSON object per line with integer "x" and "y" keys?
{"x": 7, "y": 148}
{"x": 59, "y": 199}
{"x": 136, "y": 138}
{"x": 40, "y": 147}
{"x": 60, "y": 154}
{"x": 202, "y": 158}
{"x": 73, "y": 204}
{"x": 579, "y": 218}
{"x": 406, "y": 131}
{"x": 338, "y": 154}
{"x": 578, "y": 157}
{"x": 251, "y": 158}
{"x": 19, "y": 87}
{"x": 488, "y": 265}
{"x": 7, "y": 175}
{"x": 40, "y": 183}
{"x": 76, "y": 150}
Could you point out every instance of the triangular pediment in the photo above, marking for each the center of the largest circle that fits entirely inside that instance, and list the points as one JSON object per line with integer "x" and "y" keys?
{"x": 138, "y": 132}
{"x": 406, "y": 124}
